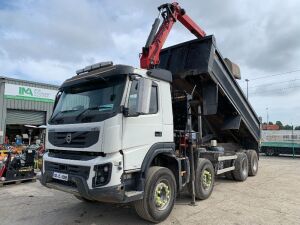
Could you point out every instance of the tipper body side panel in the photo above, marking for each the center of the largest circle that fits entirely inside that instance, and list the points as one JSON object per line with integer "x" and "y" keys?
{"x": 227, "y": 115}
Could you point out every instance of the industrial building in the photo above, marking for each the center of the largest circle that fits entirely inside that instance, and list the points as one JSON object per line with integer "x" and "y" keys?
{"x": 281, "y": 136}
{"x": 276, "y": 142}
{"x": 24, "y": 106}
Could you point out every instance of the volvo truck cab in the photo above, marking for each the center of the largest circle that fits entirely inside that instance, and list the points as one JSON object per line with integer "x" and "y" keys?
{"x": 104, "y": 122}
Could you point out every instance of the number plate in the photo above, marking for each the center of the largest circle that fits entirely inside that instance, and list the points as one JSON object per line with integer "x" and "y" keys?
{"x": 60, "y": 176}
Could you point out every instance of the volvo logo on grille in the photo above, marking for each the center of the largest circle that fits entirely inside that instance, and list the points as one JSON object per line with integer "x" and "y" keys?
{"x": 69, "y": 138}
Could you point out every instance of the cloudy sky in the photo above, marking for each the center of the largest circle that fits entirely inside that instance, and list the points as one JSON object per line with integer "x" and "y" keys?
{"x": 48, "y": 41}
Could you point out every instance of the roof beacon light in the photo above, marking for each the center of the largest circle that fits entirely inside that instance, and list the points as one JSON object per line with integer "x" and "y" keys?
{"x": 94, "y": 67}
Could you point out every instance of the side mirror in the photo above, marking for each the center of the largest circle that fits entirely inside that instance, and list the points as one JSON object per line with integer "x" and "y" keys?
{"x": 125, "y": 111}
{"x": 144, "y": 94}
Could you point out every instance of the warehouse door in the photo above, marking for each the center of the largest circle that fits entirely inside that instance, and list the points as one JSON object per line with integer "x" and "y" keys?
{"x": 22, "y": 117}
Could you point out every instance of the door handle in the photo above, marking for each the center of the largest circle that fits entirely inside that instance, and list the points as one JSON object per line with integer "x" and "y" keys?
{"x": 158, "y": 133}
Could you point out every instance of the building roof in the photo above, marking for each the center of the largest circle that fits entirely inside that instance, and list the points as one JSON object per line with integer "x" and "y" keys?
{"x": 28, "y": 82}
{"x": 270, "y": 127}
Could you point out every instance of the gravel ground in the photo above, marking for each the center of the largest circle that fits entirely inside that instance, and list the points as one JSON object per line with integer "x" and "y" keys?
{"x": 272, "y": 197}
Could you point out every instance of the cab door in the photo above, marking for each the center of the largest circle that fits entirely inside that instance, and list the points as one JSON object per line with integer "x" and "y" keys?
{"x": 141, "y": 131}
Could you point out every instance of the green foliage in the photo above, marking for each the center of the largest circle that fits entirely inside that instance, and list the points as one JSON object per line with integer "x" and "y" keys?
{"x": 287, "y": 127}
{"x": 279, "y": 124}
{"x": 283, "y": 127}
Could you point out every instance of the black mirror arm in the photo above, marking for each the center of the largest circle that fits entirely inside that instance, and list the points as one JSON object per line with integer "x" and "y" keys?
{"x": 125, "y": 111}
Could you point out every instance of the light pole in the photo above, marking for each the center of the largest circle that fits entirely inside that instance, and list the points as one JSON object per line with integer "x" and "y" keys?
{"x": 267, "y": 118}
{"x": 293, "y": 141}
{"x": 247, "y": 80}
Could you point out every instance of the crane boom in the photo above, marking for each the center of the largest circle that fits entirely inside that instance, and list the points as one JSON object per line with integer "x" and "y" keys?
{"x": 170, "y": 12}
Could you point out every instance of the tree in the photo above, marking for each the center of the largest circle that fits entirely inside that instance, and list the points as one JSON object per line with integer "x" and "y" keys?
{"x": 278, "y": 123}
{"x": 270, "y": 123}
{"x": 297, "y": 128}
{"x": 287, "y": 127}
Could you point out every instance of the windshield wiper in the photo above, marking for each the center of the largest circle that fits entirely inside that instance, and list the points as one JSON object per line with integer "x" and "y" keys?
{"x": 61, "y": 112}
{"x": 93, "y": 108}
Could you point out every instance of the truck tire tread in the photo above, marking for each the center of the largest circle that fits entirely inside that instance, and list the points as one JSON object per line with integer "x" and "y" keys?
{"x": 252, "y": 162}
{"x": 240, "y": 173}
{"x": 200, "y": 193}
{"x": 143, "y": 207}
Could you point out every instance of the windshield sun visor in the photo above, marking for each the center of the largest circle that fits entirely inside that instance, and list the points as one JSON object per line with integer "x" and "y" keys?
{"x": 99, "y": 74}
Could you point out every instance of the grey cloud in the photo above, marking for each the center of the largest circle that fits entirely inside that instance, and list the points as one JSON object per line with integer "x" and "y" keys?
{"x": 278, "y": 47}
{"x": 54, "y": 38}
{"x": 56, "y": 31}
{"x": 276, "y": 90}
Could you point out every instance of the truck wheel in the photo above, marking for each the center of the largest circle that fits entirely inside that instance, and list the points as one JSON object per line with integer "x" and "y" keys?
{"x": 252, "y": 162}
{"x": 159, "y": 195}
{"x": 204, "y": 179}
{"x": 240, "y": 173}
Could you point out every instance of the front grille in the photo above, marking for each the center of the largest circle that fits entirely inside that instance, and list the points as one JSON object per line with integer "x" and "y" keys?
{"x": 74, "y": 155}
{"x": 82, "y": 171}
{"x": 78, "y": 139}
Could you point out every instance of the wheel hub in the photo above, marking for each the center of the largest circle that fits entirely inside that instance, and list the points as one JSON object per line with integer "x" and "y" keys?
{"x": 206, "y": 179}
{"x": 162, "y": 195}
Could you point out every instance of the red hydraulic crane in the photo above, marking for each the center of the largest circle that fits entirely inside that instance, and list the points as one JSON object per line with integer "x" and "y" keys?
{"x": 157, "y": 37}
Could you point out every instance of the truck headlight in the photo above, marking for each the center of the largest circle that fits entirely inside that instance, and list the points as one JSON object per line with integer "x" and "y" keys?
{"x": 102, "y": 174}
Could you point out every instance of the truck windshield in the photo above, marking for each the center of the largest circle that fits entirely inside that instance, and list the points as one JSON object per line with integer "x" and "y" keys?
{"x": 92, "y": 101}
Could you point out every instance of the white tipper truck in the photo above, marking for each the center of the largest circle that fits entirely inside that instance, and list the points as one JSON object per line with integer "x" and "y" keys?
{"x": 122, "y": 134}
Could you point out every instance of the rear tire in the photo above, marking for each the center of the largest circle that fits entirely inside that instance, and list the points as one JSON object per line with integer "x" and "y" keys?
{"x": 204, "y": 179}
{"x": 159, "y": 195}
{"x": 252, "y": 162}
{"x": 240, "y": 173}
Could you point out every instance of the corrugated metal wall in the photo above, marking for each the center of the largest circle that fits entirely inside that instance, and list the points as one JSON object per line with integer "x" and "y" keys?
{"x": 2, "y": 109}
{"x": 25, "y": 117}
{"x": 22, "y": 104}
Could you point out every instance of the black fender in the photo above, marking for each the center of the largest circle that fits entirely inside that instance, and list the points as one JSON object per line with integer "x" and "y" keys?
{"x": 166, "y": 150}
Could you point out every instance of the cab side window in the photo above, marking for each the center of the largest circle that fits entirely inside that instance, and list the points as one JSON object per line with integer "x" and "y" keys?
{"x": 133, "y": 99}
{"x": 153, "y": 100}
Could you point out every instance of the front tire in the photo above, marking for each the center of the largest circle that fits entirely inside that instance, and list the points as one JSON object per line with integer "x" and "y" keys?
{"x": 159, "y": 195}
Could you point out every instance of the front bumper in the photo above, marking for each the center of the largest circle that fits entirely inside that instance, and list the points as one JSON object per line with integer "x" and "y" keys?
{"x": 81, "y": 174}
{"x": 78, "y": 186}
